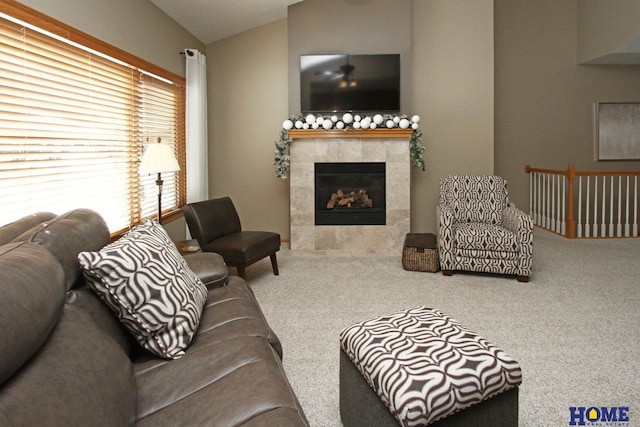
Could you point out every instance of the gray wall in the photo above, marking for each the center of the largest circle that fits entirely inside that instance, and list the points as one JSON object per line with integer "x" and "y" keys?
{"x": 608, "y": 31}
{"x": 544, "y": 100}
{"x": 135, "y": 26}
{"x": 339, "y": 27}
{"x": 447, "y": 61}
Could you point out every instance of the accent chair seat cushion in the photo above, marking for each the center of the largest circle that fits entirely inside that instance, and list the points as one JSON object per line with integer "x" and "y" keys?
{"x": 487, "y": 237}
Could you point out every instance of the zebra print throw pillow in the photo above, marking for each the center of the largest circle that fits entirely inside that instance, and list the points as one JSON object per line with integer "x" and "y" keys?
{"x": 148, "y": 284}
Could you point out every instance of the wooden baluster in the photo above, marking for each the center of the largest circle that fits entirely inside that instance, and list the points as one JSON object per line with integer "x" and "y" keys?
{"x": 579, "y": 204}
{"x": 553, "y": 202}
{"x": 635, "y": 208}
{"x": 587, "y": 224}
{"x": 594, "y": 226}
{"x": 627, "y": 212}
{"x": 571, "y": 224}
{"x": 561, "y": 205}
{"x": 540, "y": 195}
{"x": 619, "y": 223}
{"x": 603, "y": 224}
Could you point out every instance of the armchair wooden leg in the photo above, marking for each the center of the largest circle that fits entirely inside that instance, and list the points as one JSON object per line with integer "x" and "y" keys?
{"x": 447, "y": 272}
{"x": 523, "y": 278}
{"x": 241, "y": 272}
{"x": 274, "y": 264}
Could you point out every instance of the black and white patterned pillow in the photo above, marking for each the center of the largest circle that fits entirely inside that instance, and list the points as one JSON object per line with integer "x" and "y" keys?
{"x": 148, "y": 284}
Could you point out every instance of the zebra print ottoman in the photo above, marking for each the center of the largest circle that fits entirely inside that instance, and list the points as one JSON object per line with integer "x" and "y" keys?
{"x": 418, "y": 367}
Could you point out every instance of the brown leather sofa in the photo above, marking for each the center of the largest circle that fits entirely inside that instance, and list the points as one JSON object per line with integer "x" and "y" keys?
{"x": 66, "y": 359}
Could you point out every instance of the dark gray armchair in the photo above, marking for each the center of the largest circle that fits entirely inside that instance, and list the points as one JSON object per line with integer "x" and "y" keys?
{"x": 216, "y": 225}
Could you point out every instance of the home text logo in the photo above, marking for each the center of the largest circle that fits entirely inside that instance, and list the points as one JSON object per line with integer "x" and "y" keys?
{"x": 599, "y": 416}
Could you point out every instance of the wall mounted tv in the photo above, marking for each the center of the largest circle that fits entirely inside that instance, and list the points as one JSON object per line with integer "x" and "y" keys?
{"x": 341, "y": 83}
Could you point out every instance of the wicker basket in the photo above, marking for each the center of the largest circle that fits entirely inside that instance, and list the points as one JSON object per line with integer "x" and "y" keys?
{"x": 420, "y": 253}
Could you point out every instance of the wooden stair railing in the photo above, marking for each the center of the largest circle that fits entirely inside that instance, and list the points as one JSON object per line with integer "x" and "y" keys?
{"x": 585, "y": 204}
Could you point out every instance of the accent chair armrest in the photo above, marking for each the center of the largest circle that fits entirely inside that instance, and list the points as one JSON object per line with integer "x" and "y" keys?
{"x": 518, "y": 222}
{"x": 445, "y": 223}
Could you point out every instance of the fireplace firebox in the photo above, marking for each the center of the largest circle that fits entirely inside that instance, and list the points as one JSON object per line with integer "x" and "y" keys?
{"x": 350, "y": 193}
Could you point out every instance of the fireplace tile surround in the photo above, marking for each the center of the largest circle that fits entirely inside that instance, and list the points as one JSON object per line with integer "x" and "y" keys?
{"x": 319, "y": 146}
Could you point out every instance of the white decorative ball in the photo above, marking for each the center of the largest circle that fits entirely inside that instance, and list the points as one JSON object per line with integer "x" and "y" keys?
{"x": 347, "y": 118}
{"x": 415, "y": 119}
{"x": 373, "y": 125}
{"x": 334, "y": 118}
{"x": 299, "y": 124}
{"x": 315, "y": 126}
{"x": 404, "y": 123}
{"x": 390, "y": 123}
{"x": 396, "y": 119}
{"x": 356, "y": 125}
{"x": 365, "y": 123}
{"x": 327, "y": 124}
{"x": 287, "y": 124}
{"x": 378, "y": 119}
{"x": 305, "y": 126}
{"x": 310, "y": 119}
{"x": 340, "y": 125}
{"x": 414, "y": 126}
{"x": 357, "y": 118}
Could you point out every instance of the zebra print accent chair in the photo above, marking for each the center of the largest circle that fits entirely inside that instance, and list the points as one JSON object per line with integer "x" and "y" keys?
{"x": 480, "y": 230}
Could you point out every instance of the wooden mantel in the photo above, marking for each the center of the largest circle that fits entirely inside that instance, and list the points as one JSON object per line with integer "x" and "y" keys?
{"x": 349, "y": 133}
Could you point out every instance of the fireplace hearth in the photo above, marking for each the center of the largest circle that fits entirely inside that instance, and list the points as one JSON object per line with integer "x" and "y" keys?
{"x": 350, "y": 193}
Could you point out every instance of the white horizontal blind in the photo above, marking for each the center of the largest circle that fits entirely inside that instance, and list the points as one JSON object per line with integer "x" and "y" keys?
{"x": 158, "y": 117}
{"x": 72, "y": 130}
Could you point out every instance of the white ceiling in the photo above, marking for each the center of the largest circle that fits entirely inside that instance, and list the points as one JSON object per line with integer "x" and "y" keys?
{"x": 212, "y": 20}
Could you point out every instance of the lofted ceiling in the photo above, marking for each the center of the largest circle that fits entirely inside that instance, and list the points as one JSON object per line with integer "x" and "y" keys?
{"x": 212, "y": 20}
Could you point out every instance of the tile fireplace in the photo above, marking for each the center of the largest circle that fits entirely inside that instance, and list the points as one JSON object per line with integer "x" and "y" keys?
{"x": 375, "y": 166}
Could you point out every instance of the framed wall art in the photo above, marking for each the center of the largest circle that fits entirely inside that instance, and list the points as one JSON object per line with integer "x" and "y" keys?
{"x": 618, "y": 131}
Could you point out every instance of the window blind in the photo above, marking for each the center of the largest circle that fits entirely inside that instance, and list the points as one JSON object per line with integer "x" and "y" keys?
{"x": 73, "y": 127}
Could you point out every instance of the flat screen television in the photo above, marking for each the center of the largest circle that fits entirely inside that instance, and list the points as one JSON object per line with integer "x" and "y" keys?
{"x": 350, "y": 83}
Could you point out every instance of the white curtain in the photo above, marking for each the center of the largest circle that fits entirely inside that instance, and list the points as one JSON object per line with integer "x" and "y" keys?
{"x": 196, "y": 127}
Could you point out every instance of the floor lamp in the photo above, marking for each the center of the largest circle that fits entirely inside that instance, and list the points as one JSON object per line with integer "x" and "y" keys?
{"x": 159, "y": 158}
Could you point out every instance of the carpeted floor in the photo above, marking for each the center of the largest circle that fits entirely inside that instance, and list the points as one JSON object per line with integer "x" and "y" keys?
{"x": 574, "y": 328}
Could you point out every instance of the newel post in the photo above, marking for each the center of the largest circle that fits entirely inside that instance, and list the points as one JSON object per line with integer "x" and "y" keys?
{"x": 571, "y": 222}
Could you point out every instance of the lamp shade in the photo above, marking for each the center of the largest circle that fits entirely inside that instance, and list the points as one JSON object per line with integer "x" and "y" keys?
{"x": 159, "y": 158}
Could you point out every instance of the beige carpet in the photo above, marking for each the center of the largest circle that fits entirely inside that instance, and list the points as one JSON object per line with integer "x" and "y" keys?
{"x": 574, "y": 328}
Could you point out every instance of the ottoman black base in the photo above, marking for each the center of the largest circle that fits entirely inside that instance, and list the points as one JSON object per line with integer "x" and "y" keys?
{"x": 360, "y": 406}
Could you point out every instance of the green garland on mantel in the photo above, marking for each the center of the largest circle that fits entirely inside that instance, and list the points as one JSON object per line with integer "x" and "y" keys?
{"x": 347, "y": 121}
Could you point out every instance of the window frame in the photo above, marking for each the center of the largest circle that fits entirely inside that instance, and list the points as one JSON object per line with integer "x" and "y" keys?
{"x": 58, "y": 28}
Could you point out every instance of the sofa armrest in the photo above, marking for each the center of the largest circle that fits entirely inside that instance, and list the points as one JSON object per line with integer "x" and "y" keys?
{"x": 209, "y": 267}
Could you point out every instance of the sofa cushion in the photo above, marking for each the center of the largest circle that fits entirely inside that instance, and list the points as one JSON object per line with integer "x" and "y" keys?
{"x": 79, "y": 377}
{"x": 244, "y": 383}
{"x": 85, "y": 298}
{"x": 32, "y": 290}
{"x": 230, "y": 311}
{"x": 144, "y": 279}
